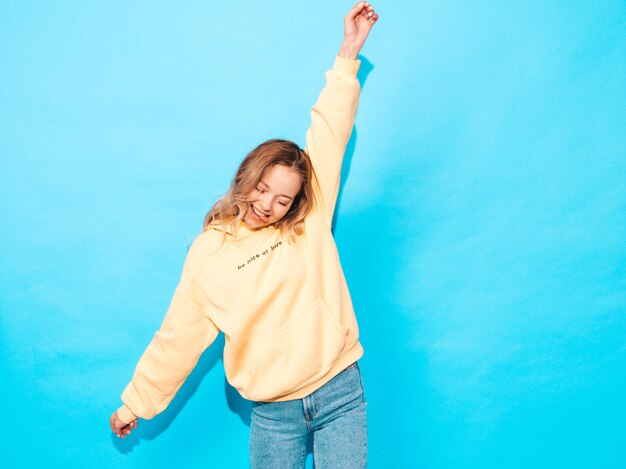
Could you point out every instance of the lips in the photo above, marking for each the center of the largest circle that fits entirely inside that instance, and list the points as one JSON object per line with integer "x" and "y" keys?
{"x": 260, "y": 216}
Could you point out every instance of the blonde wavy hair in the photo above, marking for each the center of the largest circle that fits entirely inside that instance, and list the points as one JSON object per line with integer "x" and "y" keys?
{"x": 231, "y": 209}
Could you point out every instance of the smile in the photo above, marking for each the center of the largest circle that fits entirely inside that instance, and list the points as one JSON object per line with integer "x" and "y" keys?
{"x": 259, "y": 215}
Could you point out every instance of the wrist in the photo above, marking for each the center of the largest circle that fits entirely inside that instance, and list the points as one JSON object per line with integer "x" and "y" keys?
{"x": 125, "y": 414}
{"x": 349, "y": 50}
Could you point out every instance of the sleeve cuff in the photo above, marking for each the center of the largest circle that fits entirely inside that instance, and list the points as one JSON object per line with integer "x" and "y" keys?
{"x": 346, "y": 65}
{"x": 125, "y": 415}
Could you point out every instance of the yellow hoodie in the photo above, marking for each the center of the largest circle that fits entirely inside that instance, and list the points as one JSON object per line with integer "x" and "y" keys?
{"x": 284, "y": 308}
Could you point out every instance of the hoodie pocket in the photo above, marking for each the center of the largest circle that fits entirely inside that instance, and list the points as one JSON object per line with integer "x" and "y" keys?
{"x": 297, "y": 354}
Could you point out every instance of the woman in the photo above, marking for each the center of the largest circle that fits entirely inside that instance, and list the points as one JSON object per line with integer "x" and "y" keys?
{"x": 265, "y": 271}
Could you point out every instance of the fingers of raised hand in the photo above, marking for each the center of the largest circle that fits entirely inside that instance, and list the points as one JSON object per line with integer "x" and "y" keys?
{"x": 363, "y": 9}
{"x": 367, "y": 11}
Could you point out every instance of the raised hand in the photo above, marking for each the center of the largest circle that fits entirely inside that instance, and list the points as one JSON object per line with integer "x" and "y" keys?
{"x": 357, "y": 25}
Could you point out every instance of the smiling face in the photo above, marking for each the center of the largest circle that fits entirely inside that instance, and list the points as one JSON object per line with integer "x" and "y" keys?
{"x": 273, "y": 196}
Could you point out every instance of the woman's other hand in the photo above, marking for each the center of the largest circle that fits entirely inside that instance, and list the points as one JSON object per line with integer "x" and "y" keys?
{"x": 121, "y": 428}
{"x": 357, "y": 25}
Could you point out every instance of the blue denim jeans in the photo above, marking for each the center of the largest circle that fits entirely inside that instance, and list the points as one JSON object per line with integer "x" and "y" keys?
{"x": 334, "y": 414}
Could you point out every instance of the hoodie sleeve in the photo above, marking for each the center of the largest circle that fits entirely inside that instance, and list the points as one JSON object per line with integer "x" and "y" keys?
{"x": 186, "y": 331}
{"x": 332, "y": 119}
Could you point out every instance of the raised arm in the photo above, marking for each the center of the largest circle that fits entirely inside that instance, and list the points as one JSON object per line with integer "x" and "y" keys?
{"x": 332, "y": 116}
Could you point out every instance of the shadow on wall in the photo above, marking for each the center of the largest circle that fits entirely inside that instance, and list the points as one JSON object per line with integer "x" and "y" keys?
{"x": 364, "y": 71}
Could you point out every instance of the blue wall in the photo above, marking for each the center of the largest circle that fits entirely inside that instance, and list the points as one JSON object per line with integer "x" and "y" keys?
{"x": 482, "y": 220}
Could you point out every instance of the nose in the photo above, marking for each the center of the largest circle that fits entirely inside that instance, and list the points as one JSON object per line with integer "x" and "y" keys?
{"x": 264, "y": 203}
